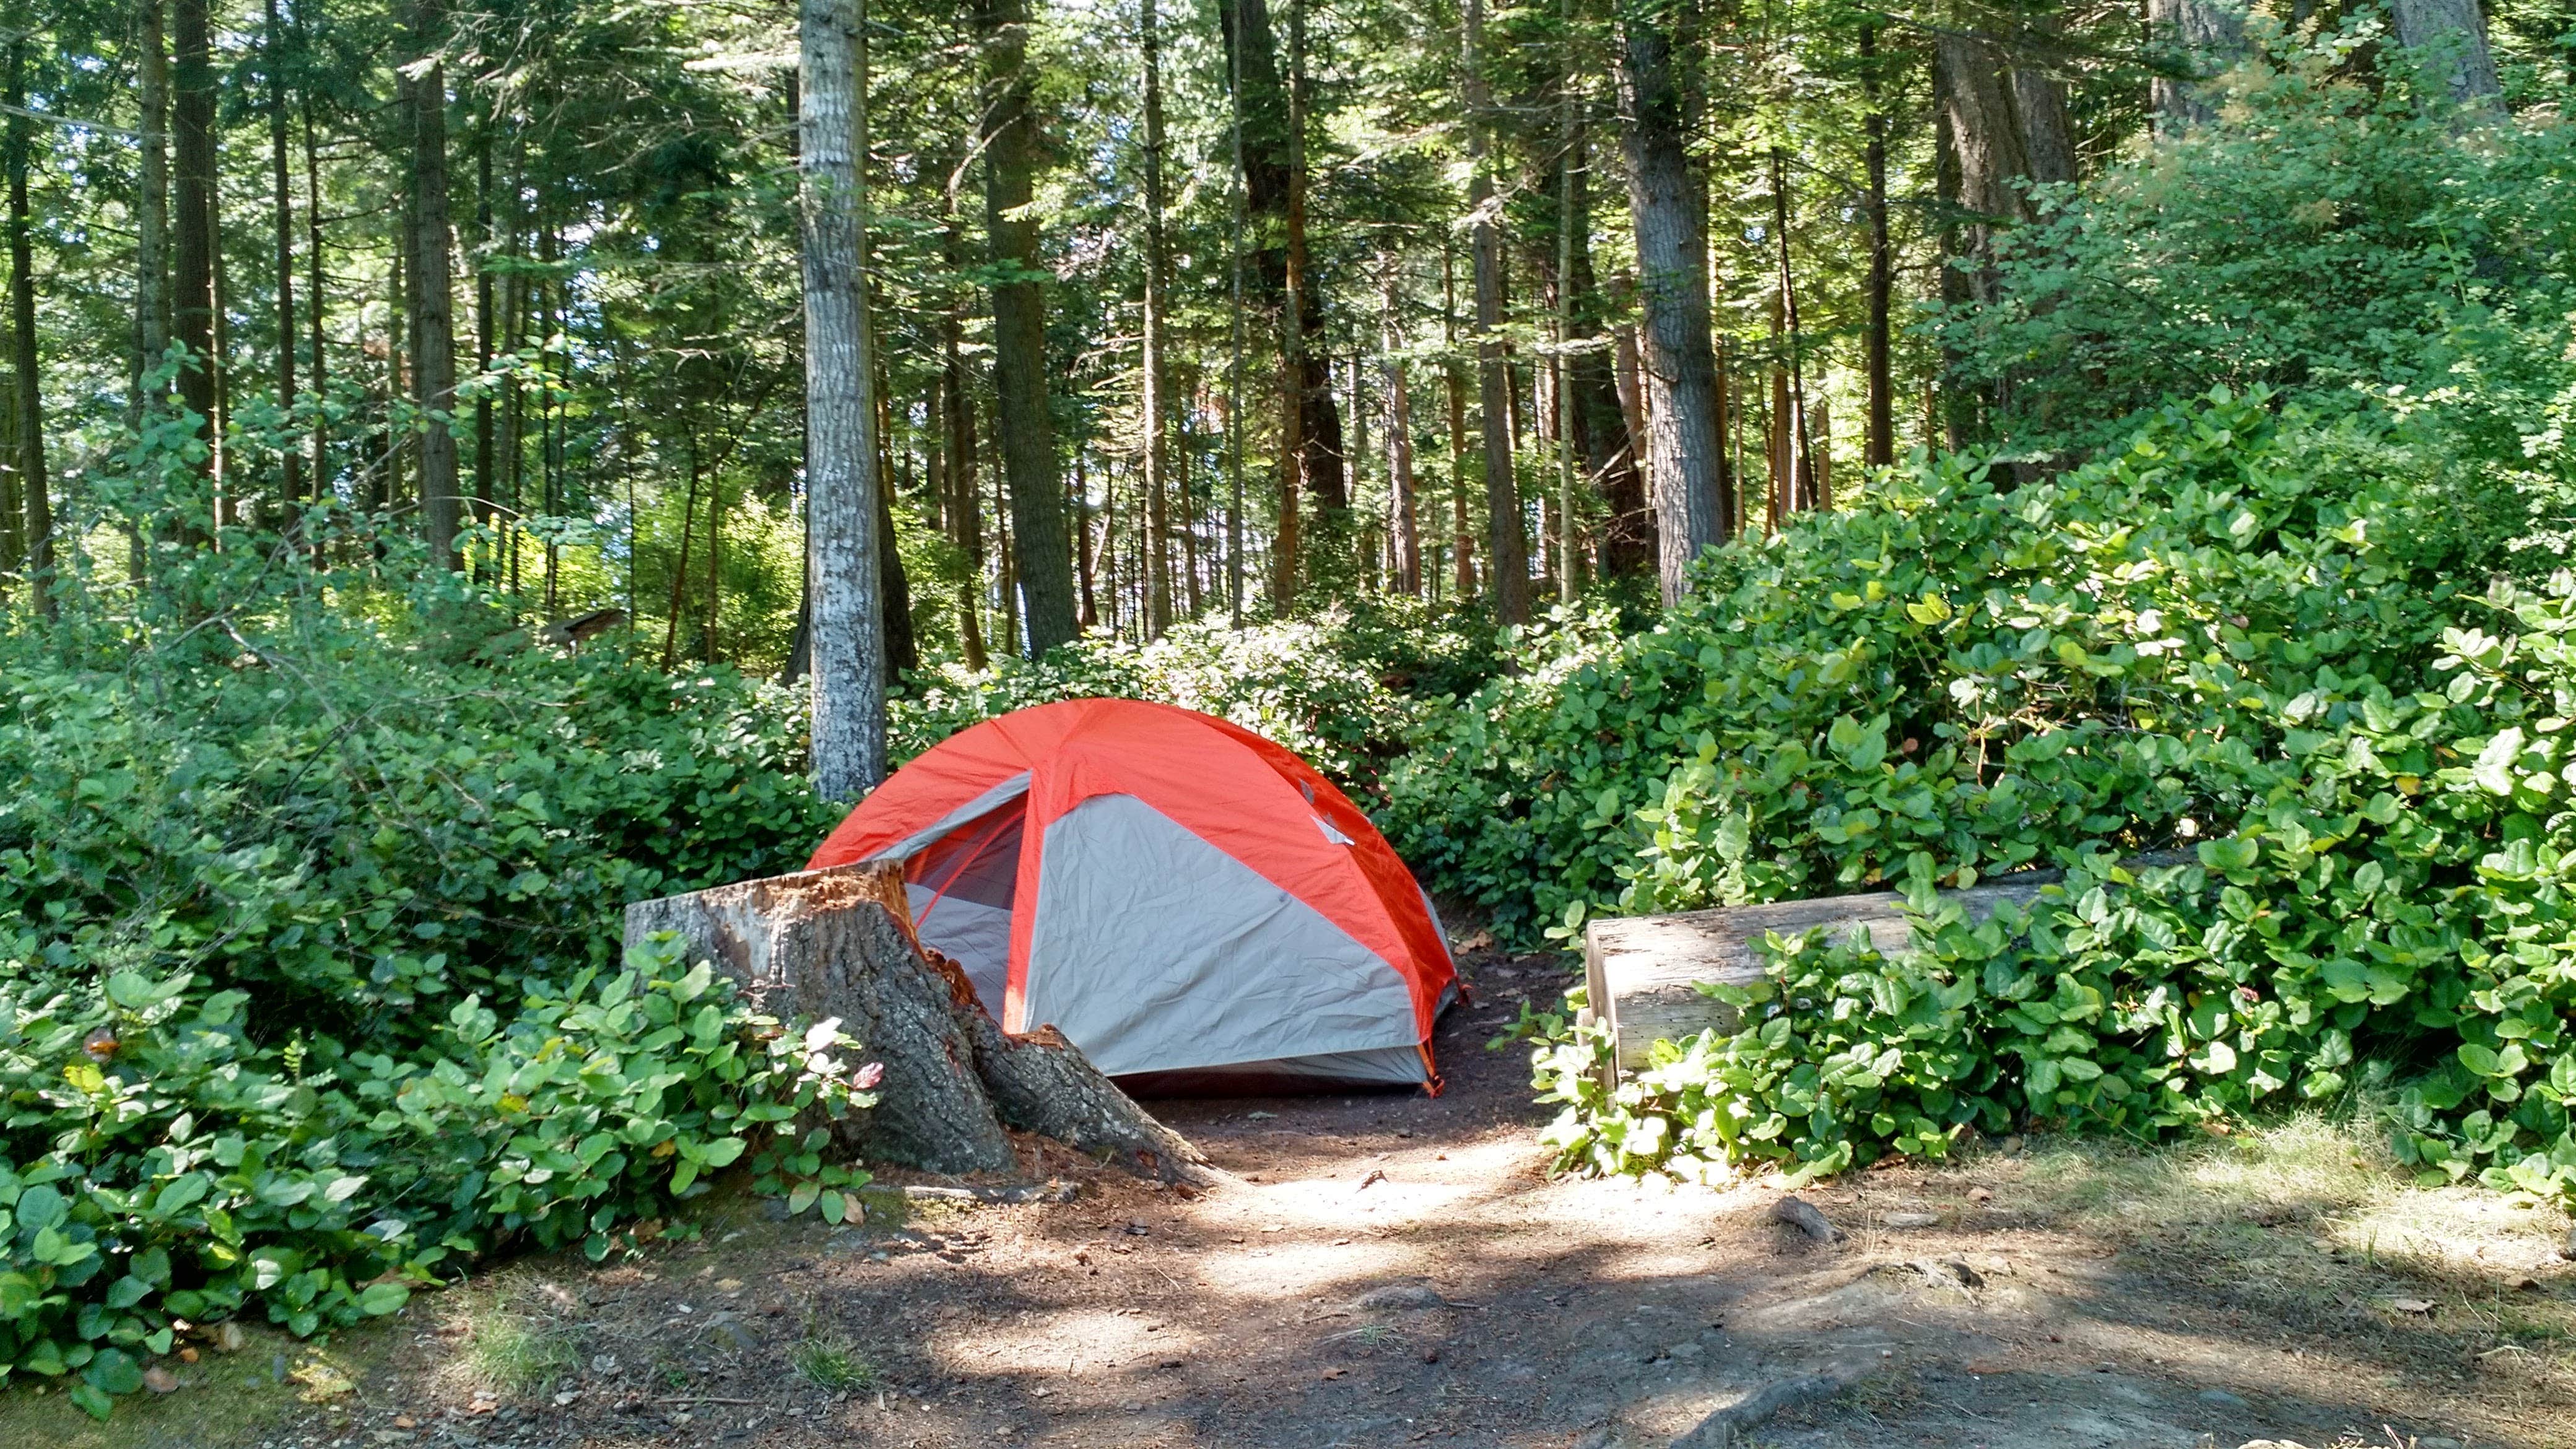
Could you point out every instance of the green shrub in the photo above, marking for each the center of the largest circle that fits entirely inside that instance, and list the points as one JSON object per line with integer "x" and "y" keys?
{"x": 2341, "y": 235}
{"x": 2371, "y": 784}
{"x": 157, "y": 1165}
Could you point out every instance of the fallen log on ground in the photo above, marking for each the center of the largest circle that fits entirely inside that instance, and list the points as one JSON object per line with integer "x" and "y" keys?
{"x": 1643, "y": 972}
{"x": 840, "y": 943}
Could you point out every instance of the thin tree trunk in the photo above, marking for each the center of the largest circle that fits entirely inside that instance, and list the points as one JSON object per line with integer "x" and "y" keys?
{"x": 1569, "y": 164}
{"x": 486, "y": 306}
{"x": 1399, "y": 447}
{"x": 433, "y": 289}
{"x": 1027, "y": 434}
{"x": 1669, "y": 217}
{"x": 313, "y": 303}
{"x": 292, "y": 480}
{"x": 1801, "y": 472}
{"x": 840, "y": 411}
{"x": 1507, "y": 562}
{"x": 1878, "y": 444}
{"x": 152, "y": 199}
{"x": 1158, "y": 580}
{"x": 1234, "y": 363}
{"x": 965, "y": 506}
{"x": 680, "y": 570}
{"x": 34, "y": 487}
{"x": 1454, "y": 375}
{"x": 192, "y": 307}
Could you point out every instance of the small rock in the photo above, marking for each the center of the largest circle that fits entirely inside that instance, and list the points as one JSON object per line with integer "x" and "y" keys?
{"x": 228, "y": 1337}
{"x": 603, "y": 1364}
{"x": 1431, "y": 1354}
{"x": 1912, "y": 1220}
{"x": 2411, "y": 1305}
{"x": 160, "y": 1380}
{"x": 1399, "y": 1298}
{"x": 1981, "y": 1194}
{"x": 2437, "y": 1441}
{"x": 2221, "y": 1399}
{"x": 187, "y": 1355}
{"x": 1133, "y": 1406}
{"x": 1802, "y": 1215}
{"x": 405, "y": 1421}
{"x": 2012, "y": 1145}
{"x": 1948, "y": 1272}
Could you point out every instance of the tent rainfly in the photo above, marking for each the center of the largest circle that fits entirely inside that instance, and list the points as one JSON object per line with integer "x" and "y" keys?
{"x": 1195, "y": 907}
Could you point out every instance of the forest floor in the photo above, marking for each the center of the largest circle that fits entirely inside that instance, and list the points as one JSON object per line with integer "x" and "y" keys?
{"x": 1400, "y": 1270}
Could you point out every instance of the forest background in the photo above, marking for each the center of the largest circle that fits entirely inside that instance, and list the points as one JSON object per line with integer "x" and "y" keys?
{"x": 1654, "y": 454}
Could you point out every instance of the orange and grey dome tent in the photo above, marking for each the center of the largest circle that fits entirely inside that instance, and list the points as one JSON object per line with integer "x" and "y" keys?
{"x": 1193, "y": 906}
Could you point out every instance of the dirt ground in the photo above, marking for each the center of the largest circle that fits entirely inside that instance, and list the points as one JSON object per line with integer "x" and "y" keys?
{"x": 1399, "y": 1270}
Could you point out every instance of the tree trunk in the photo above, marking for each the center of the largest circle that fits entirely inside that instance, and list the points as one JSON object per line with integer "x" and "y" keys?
{"x": 1027, "y": 434}
{"x": 1569, "y": 165}
{"x": 2200, "y": 38}
{"x": 1158, "y": 578}
{"x": 1506, "y": 547}
{"x": 1878, "y": 443}
{"x": 34, "y": 487}
{"x": 1682, "y": 440}
{"x": 1453, "y": 374}
{"x": 965, "y": 505}
{"x": 839, "y": 945}
{"x": 840, "y": 411}
{"x": 152, "y": 194}
{"x": 313, "y": 310}
{"x": 2454, "y": 33}
{"x": 433, "y": 291}
{"x": 1272, "y": 161}
{"x": 1399, "y": 449}
{"x": 902, "y": 649}
{"x": 291, "y": 481}
{"x": 192, "y": 307}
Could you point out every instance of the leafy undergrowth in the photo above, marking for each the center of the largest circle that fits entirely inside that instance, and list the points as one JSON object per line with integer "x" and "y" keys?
{"x": 310, "y": 990}
{"x": 2240, "y": 636}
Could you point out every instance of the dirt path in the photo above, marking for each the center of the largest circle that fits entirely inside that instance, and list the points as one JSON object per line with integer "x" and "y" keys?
{"x": 1397, "y": 1270}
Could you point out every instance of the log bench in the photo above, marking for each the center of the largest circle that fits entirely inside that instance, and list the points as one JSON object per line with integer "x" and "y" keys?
{"x": 1642, "y": 973}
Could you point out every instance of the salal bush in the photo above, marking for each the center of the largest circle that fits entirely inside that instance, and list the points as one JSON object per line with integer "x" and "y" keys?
{"x": 1983, "y": 677}
{"x": 2233, "y": 656}
{"x": 2389, "y": 909}
{"x": 159, "y": 1166}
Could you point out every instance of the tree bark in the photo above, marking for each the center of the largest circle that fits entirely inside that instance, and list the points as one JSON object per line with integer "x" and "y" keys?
{"x": 839, "y": 944}
{"x": 1878, "y": 441}
{"x": 1272, "y": 162}
{"x": 1158, "y": 578}
{"x": 433, "y": 291}
{"x": 272, "y": 44}
{"x": 2455, "y": 33}
{"x": 1399, "y": 448}
{"x": 840, "y": 411}
{"x": 152, "y": 198}
{"x": 965, "y": 504}
{"x": 34, "y": 485}
{"x": 1453, "y": 374}
{"x": 1506, "y": 545}
{"x": 1026, "y": 433}
{"x": 313, "y": 311}
{"x": 2201, "y": 38}
{"x": 1680, "y": 367}
{"x": 192, "y": 307}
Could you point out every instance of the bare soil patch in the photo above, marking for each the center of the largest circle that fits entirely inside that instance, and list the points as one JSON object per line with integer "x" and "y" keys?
{"x": 1399, "y": 1270}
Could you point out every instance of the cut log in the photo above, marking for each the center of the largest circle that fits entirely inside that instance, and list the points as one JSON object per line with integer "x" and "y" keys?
{"x": 1643, "y": 972}
{"x": 840, "y": 943}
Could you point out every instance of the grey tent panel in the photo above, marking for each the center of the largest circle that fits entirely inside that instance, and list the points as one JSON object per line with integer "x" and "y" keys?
{"x": 1155, "y": 951}
{"x": 974, "y": 935}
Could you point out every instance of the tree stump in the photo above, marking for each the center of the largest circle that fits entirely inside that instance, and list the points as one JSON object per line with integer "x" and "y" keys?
{"x": 840, "y": 943}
